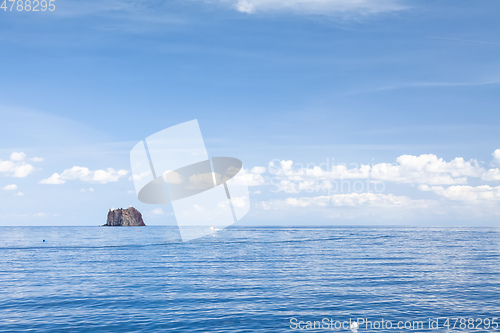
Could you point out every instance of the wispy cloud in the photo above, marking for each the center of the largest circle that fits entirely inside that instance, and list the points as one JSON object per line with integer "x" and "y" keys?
{"x": 27, "y": 215}
{"x": 465, "y": 40}
{"x": 437, "y": 84}
{"x": 316, "y": 7}
{"x": 118, "y": 14}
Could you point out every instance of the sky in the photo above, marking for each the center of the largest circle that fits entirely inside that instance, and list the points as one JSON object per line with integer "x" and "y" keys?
{"x": 368, "y": 112}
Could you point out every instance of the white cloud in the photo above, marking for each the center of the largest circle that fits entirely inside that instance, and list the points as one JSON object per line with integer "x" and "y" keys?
{"x": 16, "y": 166}
{"x": 17, "y": 156}
{"x": 86, "y": 175}
{"x": 108, "y": 175}
{"x": 20, "y": 194}
{"x": 240, "y": 202}
{"x": 288, "y": 186}
{"x": 491, "y": 174}
{"x": 363, "y": 199}
{"x": 11, "y": 187}
{"x": 298, "y": 171}
{"x": 140, "y": 177}
{"x": 317, "y": 7}
{"x": 496, "y": 157}
{"x": 170, "y": 177}
{"x": 27, "y": 215}
{"x": 200, "y": 181}
{"x": 342, "y": 200}
{"x": 258, "y": 170}
{"x": 465, "y": 193}
{"x": 447, "y": 179}
{"x": 36, "y": 159}
{"x": 251, "y": 177}
{"x": 157, "y": 211}
{"x": 55, "y": 179}
{"x": 23, "y": 170}
{"x": 428, "y": 169}
{"x": 90, "y": 189}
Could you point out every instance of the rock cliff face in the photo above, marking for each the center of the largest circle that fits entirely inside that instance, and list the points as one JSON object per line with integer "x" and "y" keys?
{"x": 129, "y": 217}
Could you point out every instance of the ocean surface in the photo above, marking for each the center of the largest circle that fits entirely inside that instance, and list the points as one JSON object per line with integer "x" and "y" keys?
{"x": 144, "y": 279}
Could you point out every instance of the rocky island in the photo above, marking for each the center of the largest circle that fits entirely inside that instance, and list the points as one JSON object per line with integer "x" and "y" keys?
{"x": 129, "y": 217}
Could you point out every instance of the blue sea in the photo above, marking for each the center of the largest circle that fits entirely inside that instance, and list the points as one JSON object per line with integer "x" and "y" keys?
{"x": 242, "y": 279}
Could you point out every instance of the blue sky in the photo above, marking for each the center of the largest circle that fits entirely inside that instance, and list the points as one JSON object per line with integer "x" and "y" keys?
{"x": 320, "y": 83}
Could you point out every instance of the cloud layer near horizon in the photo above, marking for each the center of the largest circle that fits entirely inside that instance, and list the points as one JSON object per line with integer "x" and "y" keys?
{"x": 427, "y": 169}
{"x": 317, "y": 185}
{"x": 445, "y": 185}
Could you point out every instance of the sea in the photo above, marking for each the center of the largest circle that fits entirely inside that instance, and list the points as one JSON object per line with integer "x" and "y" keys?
{"x": 250, "y": 279}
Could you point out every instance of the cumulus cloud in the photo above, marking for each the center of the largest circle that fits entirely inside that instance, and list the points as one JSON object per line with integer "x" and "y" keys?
{"x": 86, "y": 175}
{"x": 140, "y": 177}
{"x": 427, "y": 169}
{"x": 317, "y": 7}
{"x": 16, "y": 166}
{"x": 297, "y": 171}
{"x": 364, "y": 185}
{"x": 258, "y": 170}
{"x": 200, "y": 181}
{"x": 494, "y": 173}
{"x": 240, "y": 202}
{"x": 465, "y": 193}
{"x": 491, "y": 175}
{"x": 342, "y": 200}
{"x": 447, "y": 179}
{"x": 11, "y": 187}
{"x": 252, "y": 177}
{"x": 55, "y": 179}
{"x": 15, "y": 156}
{"x": 496, "y": 157}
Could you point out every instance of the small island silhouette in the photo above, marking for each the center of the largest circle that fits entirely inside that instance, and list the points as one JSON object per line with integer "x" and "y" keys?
{"x": 129, "y": 217}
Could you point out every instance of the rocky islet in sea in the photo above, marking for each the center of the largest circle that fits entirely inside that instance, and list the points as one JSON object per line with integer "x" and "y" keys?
{"x": 120, "y": 217}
